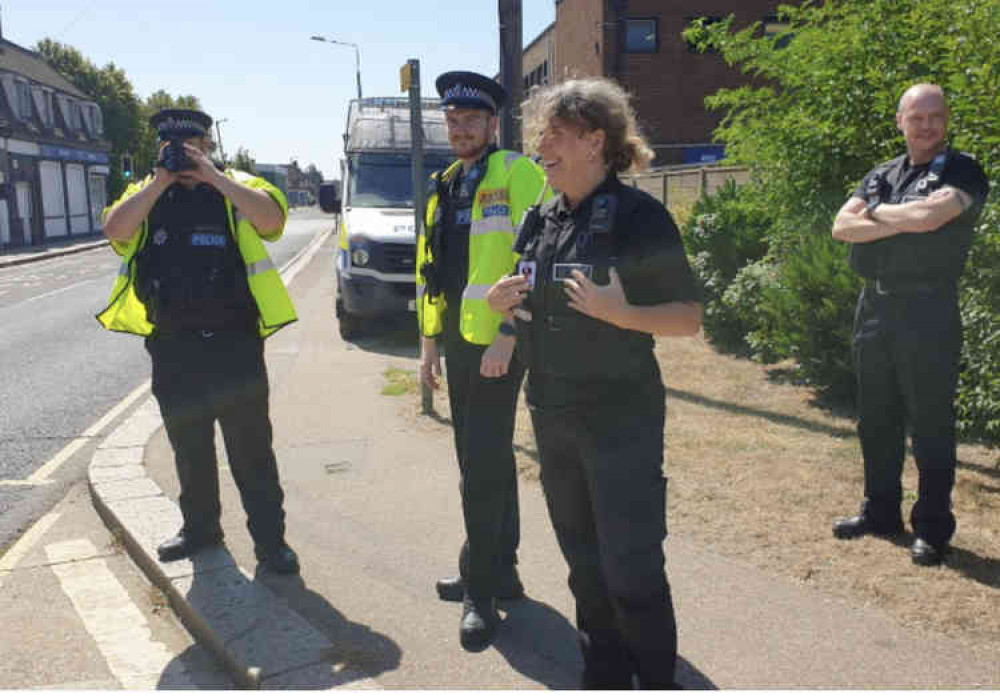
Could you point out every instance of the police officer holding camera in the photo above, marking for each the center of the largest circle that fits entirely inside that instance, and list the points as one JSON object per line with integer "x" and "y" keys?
{"x": 910, "y": 225}
{"x": 198, "y": 284}
{"x": 602, "y": 270}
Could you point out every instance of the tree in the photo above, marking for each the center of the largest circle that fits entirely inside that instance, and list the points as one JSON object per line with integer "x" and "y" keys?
{"x": 147, "y": 150}
{"x": 818, "y": 113}
{"x": 244, "y": 161}
{"x": 126, "y": 117}
{"x": 111, "y": 89}
{"x": 314, "y": 176}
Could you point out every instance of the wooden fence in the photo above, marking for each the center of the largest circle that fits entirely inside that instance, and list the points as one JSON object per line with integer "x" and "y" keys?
{"x": 680, "y": 187}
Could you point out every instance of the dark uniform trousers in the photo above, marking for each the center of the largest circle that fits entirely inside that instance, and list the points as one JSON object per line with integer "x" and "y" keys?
{"x": 201, "y": 377}
{"x": 906, "y": 354}
{"x": 482, "y": 414}
{"x": 604, "y": 485}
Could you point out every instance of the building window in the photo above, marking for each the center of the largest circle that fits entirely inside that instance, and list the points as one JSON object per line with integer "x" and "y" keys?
{"x": 773, "y": 26}
{"x": 537, "y": 77}
{"x": 75, "y": 116}
{"x": 97, "y": 118}
{"x": 706, "y": 21}
{"x": 46, "y": 107}
{"x": 641, "y": 36}
{"x": 24, "y": 110}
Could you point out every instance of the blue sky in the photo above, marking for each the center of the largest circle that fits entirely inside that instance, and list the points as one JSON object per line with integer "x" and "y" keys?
{"x": 252, "y": 63}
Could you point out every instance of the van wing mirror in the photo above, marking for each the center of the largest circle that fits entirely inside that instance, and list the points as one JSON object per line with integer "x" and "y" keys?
{"x": 329, "y": 197}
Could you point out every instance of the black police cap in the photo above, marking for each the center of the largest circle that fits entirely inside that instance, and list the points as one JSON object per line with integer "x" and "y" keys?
{"x": 460, "y": 88}
{"x": 180, "y": 123}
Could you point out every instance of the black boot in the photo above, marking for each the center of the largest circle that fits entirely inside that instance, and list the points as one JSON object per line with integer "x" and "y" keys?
{"x": 280, "y": 558}
{"x": 850, "y": 528}
{"x": 479, "y": 624}
{"x": 184, "y": 545}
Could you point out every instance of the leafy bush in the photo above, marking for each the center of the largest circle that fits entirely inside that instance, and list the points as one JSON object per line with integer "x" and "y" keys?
{"x": 978, "y": 402}
{"x": 817, "y": 114}
{"x": 724, "y": 232}
{"x": 807, "y": 314}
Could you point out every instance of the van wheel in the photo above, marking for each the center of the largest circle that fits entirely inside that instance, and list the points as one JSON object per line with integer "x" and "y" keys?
{"x": 350, "y": 325}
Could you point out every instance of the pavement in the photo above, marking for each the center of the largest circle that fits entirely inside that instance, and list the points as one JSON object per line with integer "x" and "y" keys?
{"x": 14, "y": 256}
{"x": 373, "y": 511}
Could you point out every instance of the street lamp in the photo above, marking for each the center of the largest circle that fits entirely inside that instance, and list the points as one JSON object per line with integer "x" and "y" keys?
{"x": 357, "y": 55}
{"x": 218, "y": 137}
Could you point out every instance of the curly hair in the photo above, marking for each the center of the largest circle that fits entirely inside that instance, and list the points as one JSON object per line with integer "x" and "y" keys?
{"x": 590, "y": 104}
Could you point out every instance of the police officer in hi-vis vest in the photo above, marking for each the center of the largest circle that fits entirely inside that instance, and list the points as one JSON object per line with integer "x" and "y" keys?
{"x": 197, "y": 282}
{"x": 473, "y": 210}
{"x": 910, "y": 225}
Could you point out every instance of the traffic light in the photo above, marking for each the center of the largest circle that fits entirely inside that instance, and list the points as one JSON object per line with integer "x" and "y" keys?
{"x": 126, "y": 163}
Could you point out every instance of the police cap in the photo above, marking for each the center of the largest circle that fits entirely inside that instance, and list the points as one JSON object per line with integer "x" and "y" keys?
{"x": 464, "y": 89}
{"x": 180, "y": 123}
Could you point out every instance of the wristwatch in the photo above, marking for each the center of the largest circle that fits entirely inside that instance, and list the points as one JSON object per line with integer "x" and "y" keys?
{"x": 870, "y": 208}
{"x": 507, "y": 329}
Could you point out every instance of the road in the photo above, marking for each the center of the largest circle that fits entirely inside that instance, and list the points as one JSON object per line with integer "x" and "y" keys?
{"x": 83, "y": 615}
{"x": 61, "y": 371}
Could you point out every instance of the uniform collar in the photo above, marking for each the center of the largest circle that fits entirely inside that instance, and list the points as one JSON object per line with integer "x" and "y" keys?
{"x": 561, "y": 208}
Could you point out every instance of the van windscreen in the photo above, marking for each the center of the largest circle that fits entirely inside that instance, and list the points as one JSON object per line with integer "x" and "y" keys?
{"x": 383, "y": 180}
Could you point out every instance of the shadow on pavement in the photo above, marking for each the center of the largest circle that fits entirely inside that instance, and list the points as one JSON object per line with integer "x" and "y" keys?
{"x": 390, "y": 337}
{"x": 356, "y": 648}
{"x": 194, "y": 669}
{"x": 541, "y": 644}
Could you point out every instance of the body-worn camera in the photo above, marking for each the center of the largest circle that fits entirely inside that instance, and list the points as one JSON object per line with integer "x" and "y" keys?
{"x": 175, "y": 159}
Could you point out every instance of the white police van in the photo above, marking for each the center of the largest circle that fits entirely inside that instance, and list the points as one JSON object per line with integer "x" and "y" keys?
{"x": 376, "y": 256}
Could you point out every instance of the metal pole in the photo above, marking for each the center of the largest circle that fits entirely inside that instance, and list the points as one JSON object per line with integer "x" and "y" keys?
{"x": 357, "y": 66}
{"x": 419, "y": 190}
{"x": 511, "y": 72}
{"x": 218, "y": 135}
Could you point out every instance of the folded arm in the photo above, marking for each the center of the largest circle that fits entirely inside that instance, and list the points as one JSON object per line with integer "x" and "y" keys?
{"x": 854, "y": 224}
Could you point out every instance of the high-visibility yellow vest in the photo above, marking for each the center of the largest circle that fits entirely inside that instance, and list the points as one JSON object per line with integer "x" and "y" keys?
{"x": 511, "y": 185}
{"x": 127, "y": 313}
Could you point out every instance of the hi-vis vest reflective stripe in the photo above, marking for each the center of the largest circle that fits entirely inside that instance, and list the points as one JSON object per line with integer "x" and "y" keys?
{"x": 511, "y": 185}
{"x": 125, "y": 311}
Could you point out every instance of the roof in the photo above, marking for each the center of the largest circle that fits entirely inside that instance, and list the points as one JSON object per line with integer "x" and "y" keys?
{"x": 383, "y": 123}
{"x": 31, "y": 65}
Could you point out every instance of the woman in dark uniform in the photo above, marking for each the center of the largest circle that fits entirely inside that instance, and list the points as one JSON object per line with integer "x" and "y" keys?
{"x": 608, "y": 271}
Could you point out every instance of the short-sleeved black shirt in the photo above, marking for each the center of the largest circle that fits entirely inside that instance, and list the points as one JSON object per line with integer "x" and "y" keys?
{"x": 932, "y": 257}
{"x": 645, "y": 247}
{"x": 649, "y": 251}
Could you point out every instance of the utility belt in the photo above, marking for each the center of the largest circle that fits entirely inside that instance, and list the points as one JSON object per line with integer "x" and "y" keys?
{"x": 883, "y": 286}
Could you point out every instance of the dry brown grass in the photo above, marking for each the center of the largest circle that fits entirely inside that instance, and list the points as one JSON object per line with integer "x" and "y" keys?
{"x": 758, "y": 471}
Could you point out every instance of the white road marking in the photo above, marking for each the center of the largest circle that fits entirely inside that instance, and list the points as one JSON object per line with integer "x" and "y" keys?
{"x": 57, "y": 291}
{"x": 25, "y": 482}
{"x": 118, "y": 627}
{"x": 14, "y": 555}
{"x": 42, "y": 473}
{"x": 28, "y": 540}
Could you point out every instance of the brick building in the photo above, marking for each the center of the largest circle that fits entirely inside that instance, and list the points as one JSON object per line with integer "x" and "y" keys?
{"x": 639, "y": 44}
{"x": 54, "y": 157}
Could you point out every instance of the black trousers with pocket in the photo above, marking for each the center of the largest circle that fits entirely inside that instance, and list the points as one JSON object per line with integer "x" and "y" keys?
{"x": 906, "y": 352}
{"x": 203, "y": 377}
{"x": 602, "y": 473}
{"x": 483, "y": 414}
